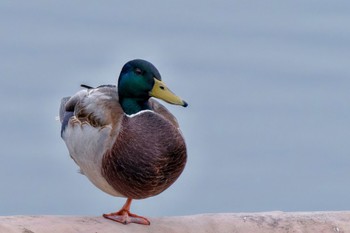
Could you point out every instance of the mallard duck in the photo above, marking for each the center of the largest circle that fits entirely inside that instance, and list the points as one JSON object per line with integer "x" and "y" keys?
{"x": 126, "y": 143}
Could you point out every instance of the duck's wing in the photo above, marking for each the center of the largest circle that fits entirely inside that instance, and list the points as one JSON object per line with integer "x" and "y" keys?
{"x": 90, "y": 117}
{"x": 96, "y": 107}
{"x": 159, "y": 108}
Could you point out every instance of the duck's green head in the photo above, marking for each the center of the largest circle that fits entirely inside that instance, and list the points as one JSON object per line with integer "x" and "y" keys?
{"x": 138, "y": 81}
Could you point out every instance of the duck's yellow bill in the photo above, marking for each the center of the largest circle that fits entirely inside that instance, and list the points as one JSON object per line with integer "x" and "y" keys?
{"x": 161, "y": 91}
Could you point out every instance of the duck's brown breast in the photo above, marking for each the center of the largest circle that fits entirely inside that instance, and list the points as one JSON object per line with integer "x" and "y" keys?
{"x": 148, "y": 156}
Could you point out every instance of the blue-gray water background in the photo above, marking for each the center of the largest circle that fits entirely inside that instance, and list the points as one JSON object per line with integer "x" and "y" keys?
{"x": 267, "y": 82}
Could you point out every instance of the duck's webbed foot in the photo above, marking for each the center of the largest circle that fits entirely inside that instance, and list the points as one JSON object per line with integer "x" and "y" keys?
{"x": 124, "y": 216}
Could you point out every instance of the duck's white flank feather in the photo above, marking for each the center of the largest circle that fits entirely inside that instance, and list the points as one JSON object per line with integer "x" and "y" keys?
{"x": 87, "y": 146}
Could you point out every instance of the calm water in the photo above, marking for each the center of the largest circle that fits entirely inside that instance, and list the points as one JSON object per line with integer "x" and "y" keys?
{"x": 267, "y": 82}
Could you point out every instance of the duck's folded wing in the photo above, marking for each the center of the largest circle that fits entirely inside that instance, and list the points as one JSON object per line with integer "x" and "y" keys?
{"x": 96, "y": 107}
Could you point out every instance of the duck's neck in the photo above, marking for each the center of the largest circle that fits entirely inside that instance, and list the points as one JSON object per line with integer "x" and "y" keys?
{"x": 133, "y": 105}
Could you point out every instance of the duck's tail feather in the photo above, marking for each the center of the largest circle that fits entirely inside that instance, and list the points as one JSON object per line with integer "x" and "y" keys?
{"x": 64, "y": 115}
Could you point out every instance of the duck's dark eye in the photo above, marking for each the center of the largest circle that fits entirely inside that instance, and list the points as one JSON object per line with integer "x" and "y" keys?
{"x": 138, "y": 71}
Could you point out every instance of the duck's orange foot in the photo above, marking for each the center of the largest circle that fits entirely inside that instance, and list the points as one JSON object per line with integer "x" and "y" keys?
{"x": 125, "y": 217}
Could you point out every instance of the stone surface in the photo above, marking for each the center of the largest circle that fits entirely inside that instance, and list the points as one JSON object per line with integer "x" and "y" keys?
{"x": 269, "y": 222}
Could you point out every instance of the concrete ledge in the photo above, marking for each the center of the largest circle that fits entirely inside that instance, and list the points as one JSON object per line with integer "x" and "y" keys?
{"x": 268, "y": 222}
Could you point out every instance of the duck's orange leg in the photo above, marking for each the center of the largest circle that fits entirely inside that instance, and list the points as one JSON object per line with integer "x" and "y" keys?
{"x": 124, "y": 216}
